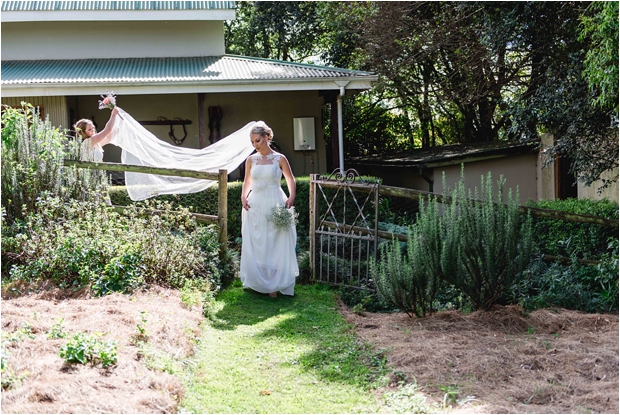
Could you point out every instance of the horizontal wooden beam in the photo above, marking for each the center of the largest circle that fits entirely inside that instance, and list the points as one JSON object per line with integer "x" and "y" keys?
{"x": 142, "y": 169}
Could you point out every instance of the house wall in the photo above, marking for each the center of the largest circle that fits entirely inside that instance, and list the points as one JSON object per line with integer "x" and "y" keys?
{"x": 133, "y": 39}
{"x": 519, "y": 170}
{"x": 54, "y": 107}
{"x": 591, "y": 192}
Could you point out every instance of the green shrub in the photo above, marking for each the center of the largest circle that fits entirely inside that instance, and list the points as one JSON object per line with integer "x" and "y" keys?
{"x": 206, "y": 202}
{"x": 122, "y": 274}
{"x": 32, "y": 163}
{"x": 84, "y": 348}
{"x": 75, "y": 244}
{"x": 607, "y": 276}
{"x": 486, "y": 245}
{"x": 547, "y": 285}
{"x": 563, "y": 238}
{"x": 410, "y": 280}
{"x": 574, "y": 286}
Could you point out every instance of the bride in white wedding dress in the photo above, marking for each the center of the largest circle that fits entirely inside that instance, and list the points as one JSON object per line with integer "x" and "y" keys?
{"x": 268, "y": 259}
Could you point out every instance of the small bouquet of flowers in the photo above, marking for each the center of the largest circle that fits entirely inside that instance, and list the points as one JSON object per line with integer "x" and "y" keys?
{"x": 283, "y": 217}
{"x": 108, "y": 101}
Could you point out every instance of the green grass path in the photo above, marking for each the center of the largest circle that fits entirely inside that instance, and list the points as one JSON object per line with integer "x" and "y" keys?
{"x": 284, "y": 355}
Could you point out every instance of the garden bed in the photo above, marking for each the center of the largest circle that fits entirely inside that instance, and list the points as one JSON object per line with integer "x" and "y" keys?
{"x": 504, "y": 360}
{"x": 139, "y": 383}
{"x": 501, "y": 361}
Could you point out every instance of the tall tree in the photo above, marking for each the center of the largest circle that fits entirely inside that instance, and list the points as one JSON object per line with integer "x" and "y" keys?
{"x": 601, "y": 64}
{"x": 289, "y": 31}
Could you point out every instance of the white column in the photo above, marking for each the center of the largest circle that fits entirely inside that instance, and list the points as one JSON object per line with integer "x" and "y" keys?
{"x": 342, "y": 85}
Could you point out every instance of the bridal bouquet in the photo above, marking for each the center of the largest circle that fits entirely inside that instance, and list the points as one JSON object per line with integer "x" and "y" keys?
{"x": 108, "y": 101}
{"x": 283, "y": 217}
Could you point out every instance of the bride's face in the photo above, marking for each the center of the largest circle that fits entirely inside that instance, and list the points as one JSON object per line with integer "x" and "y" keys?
{"x": 258, "y": 141}
{"x": 90, "y": 130}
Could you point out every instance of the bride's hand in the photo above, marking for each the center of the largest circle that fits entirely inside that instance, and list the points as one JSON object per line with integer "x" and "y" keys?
{"x": 244, "y": 203}
{"x": 290, "y": 202}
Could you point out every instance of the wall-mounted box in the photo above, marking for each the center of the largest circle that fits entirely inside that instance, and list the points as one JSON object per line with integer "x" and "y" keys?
{"x": 303, "y": 134}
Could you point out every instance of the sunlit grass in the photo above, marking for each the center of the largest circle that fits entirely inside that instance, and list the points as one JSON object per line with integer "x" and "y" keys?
{"x": 285, "y": 355}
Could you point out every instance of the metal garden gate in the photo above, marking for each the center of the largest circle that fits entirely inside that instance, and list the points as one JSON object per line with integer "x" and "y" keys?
{"x": 344, "y": 211}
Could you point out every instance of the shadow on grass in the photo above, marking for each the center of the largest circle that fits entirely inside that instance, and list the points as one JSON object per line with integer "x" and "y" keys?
{"x": 310, "y": 319}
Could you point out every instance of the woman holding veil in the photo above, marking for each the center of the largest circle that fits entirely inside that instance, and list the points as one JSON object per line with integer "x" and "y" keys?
{"x": 268, "y": 259}
{"x": 92, "y": 140}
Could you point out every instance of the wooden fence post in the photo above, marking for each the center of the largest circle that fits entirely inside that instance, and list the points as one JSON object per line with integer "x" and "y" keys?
{"x": 222, "y": 211}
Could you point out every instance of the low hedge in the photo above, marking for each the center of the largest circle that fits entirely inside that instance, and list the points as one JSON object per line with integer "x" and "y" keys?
{"x": 583, "y": 240}
{"x": 206, "y": 203}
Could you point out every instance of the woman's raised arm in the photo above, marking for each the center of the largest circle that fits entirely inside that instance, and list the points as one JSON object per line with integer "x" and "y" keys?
{"x": 104, "y": 136}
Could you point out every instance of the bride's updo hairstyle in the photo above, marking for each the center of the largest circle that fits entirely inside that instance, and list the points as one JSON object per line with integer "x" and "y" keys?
{"x": 80, "y": 128}
{"x": 263, "y": 129}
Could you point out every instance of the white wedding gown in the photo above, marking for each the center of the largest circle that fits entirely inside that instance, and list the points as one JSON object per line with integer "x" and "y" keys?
{"x": 268, "y": 259}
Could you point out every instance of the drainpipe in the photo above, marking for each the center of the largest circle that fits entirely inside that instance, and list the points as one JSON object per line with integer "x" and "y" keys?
{"x": 342, "y": 85}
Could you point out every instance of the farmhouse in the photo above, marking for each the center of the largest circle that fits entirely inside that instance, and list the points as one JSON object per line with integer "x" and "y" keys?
{"x": 166, "y": 62}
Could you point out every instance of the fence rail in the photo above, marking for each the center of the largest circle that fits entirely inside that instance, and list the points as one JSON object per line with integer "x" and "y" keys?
{"x": 537, "y": 212}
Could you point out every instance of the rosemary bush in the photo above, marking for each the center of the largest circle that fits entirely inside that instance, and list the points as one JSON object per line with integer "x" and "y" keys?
{"x": 487, "y": 245}
{"x": 32, "y": 162}
{"x": 410, "y": 280}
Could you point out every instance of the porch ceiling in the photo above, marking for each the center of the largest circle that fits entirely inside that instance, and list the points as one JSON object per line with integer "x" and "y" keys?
{"x": 209, "y": 74}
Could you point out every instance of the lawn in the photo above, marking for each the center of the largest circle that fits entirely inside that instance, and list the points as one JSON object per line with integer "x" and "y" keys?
{"x": 284, "y": 355}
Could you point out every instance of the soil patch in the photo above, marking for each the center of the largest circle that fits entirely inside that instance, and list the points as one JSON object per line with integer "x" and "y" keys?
{"x": 503, "y": 360}
{"x": 138, "y": 383}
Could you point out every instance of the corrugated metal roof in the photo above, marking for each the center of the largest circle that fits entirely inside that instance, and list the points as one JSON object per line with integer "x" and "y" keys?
{"x": 14, "y": 6}
{"x": 158, "y": 70}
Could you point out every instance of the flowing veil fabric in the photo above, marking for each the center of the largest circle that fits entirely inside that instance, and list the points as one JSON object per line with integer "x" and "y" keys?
{"x": 141, "y": 147}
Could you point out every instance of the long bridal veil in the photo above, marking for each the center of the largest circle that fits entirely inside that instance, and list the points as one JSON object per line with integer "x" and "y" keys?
{"x": 141, "y": 147}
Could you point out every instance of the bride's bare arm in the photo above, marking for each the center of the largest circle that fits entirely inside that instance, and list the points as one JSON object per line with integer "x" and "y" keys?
{"x": 247, "y": 182}
{"x": 104, "y": 136}
{"x": 290, "y": 181}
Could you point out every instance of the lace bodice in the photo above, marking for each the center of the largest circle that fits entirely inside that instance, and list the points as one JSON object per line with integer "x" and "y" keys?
{"x": 266, "y": 171}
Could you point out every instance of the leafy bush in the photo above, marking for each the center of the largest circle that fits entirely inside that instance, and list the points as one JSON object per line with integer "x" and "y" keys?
{"x": 574, "y": 286}
{"x": 584, "y": 240}
{"x": 75, "y": 244}
{"x": 84, "y": 348}
{"x": 486, "y": 245}
{"x": 32, "y": 163}
{"x": 122, "y": 274}
{"x": 206, "y": 202}
{"x": 557, "y": 285}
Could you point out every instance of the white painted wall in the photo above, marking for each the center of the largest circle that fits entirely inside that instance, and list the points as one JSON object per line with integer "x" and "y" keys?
{"x": 85, "y": 40}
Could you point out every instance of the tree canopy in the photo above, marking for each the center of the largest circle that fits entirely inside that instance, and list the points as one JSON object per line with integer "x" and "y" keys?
{"x": 458, "y": 71}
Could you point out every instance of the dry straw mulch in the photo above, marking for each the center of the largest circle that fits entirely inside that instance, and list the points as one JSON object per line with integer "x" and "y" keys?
{"x": 508, "y": 361}
{"x": 505, "y": 360}
{"x": 53, "y": 386}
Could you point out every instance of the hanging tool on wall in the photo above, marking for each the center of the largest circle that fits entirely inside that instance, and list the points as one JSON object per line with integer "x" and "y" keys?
{"x": 215, "y": 120}
{"x": 165, "y": 121}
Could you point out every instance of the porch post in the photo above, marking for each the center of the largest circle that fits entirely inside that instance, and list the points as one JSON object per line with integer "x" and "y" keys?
{"x": 202, "y": 135}
{"x": 342, "y": 85}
